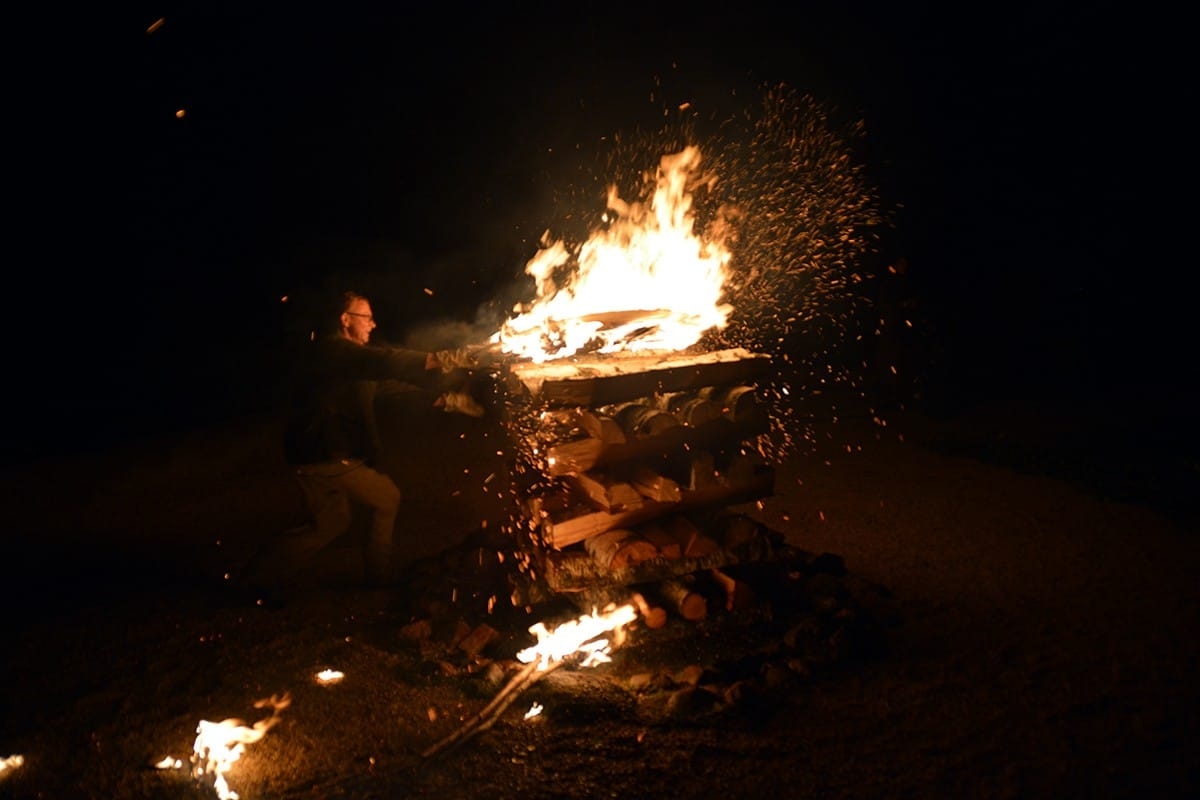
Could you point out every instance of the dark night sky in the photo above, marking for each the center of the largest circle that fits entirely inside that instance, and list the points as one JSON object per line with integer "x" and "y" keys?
{"x": 1031, "y": 149}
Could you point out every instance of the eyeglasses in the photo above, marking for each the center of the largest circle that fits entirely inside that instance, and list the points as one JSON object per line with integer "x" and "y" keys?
{"x": 367, "y": 317}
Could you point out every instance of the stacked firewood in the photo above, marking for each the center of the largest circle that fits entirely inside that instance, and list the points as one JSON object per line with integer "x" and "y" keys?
{"x": 633, "y": 466}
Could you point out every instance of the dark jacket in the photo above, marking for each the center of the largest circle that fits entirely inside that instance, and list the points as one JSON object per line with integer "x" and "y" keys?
{"x": 333, "y": 400}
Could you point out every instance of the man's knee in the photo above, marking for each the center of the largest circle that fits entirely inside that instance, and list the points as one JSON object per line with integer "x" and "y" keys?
{"x": 390, "y": 498}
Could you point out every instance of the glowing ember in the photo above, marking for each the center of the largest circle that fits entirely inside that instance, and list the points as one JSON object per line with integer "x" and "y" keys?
{"x": 649, "y": 253}
{"x": 584, "y": 635}
{"x": 219, "y": 744}
{"x": 328, "y": 676}
{"x": 535, "y": 710}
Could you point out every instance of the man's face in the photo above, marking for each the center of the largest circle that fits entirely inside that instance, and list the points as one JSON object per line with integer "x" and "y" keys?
{"x": 358, "y": 322}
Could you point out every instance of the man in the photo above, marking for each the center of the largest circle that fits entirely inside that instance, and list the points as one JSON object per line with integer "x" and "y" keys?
{"x": 332, "y": 440}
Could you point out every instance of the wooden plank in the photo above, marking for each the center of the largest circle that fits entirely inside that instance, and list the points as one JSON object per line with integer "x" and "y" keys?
{"x": 603, "y": 380}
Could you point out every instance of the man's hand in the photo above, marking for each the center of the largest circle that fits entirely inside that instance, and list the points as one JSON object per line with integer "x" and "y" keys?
{"x": 459, "y": 403}
{"x": 471, "y": 357}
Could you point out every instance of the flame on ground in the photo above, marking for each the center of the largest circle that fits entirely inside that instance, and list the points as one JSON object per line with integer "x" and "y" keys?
{"x": 329, "y": 676}
{"x": 649, "y": 264}
{"x": 583, "y": 635}
{"x": 220, "y": 744}
{"x": 10, "y": 763}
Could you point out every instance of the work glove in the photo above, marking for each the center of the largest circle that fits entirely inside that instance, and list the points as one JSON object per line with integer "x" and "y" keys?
{"x": 469, "y": 358}
{"x": 458, "y": 358}
{"x": 460, "y": 403}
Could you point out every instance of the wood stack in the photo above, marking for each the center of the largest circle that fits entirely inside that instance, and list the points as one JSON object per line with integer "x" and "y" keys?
{"x": 634, "y": 462}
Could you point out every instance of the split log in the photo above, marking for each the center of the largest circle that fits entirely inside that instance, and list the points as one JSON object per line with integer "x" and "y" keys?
{"x": 607, "y": 494}
{"x": 478, "y": 640}
{"x": 738, "y": 403}
{"x": 653, "y": 616}
{"x": 618, "y": 549}
{"x": 650, "y": 484}
{"x": 559, "y": 530}
{"x": 693, "y": 541}
{"x": 738, "y": 531}
{"x": 602, "y": 427}
{"x": 689, "y": 604}
{"x": 640, "y": 421}
{"x": 743, "y": 467}
{"x": 571, "y": 457}
{"x": 701, "y": 470}
{"x": 696, "y": 411}
{"x": 668, "y": 546}
{"x": 739, "y": 595}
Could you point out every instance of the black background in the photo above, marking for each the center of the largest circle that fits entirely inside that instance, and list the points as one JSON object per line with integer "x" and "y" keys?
{"x": 1035, "y": 156}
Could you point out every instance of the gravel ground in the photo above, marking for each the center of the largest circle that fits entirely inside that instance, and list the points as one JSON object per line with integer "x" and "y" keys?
{"x": 1041, "y": 609}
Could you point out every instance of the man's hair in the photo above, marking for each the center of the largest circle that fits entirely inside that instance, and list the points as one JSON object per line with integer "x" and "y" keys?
{"x": 348, "y": 299}
{"x": 330, "y": 308}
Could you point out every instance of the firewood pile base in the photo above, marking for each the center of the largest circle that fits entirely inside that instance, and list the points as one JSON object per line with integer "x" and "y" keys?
{"x": 630, "y": 467}
{"x": 807, "y": 619}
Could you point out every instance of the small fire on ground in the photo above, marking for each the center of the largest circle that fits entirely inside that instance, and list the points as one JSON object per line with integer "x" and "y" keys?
{"x": 220, "y": 744}
{"x": 584, "y": 635}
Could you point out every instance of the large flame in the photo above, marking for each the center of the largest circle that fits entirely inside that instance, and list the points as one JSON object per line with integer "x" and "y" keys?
{"x": 664, "y": 281}
{"x": 583, "y": 635}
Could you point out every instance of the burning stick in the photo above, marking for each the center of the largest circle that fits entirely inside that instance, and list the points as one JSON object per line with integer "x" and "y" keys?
{"x": 581, "y": 636}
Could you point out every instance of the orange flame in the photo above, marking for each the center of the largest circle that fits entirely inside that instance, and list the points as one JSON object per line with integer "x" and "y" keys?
{"x": 648, "y": 262}
{"x": 10, "y": 762}
{"x": 582, "y": 635}
{"x": 220, "y": 744}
